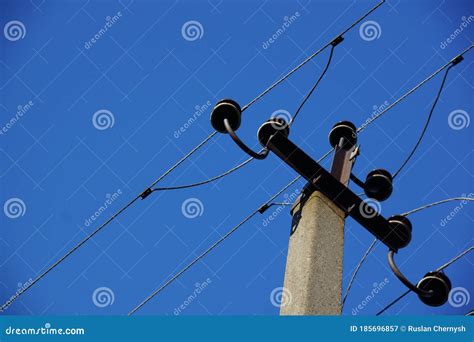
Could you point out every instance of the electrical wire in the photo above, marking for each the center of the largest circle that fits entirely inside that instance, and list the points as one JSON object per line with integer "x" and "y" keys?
{"x": 210, "y": 180}
{"x": 314, "y": 86}
{"x": 359, "y": 265}
{"x": 437, "y": 203}
{"x": 425, "y": 127}
{"x": 396, "y": 300}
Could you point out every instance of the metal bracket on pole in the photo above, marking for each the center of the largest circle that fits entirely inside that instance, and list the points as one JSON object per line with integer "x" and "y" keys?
{"x": 332, "y": 187}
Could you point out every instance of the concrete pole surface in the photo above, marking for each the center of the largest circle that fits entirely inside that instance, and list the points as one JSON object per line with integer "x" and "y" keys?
{"x": 313, "y": 277}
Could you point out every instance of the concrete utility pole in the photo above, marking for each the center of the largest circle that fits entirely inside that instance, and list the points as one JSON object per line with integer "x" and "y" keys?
{"x": 313, "y": 276}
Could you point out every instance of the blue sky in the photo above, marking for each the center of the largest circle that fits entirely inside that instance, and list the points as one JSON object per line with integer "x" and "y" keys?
{"x": 146, "y": 77}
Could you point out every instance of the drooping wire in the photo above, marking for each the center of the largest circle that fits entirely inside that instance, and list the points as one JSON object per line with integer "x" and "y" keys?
{"x": 308, "y": 59}
{"x": 208, "y": 250}
{"x": 354, "y": 274}
{"x": 401, "y": 98}
{"x": 396, "y": 300}
{"x": 425, "y": 127}
{"x": 308, "y": 95}
{"x": 172, "y": 168}
{"x": 210, "y": 180}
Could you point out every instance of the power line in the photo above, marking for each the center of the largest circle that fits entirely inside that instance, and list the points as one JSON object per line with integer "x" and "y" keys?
{"x": 425, "y": 127}
{"x": 437, "y": 203}
{"x": 314, "y": 86}
{"x": 359, "y": 265}
{"x": 210, "y": 180}
{"x": 456, "y": 258}
{"x": 396, "y": 300}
